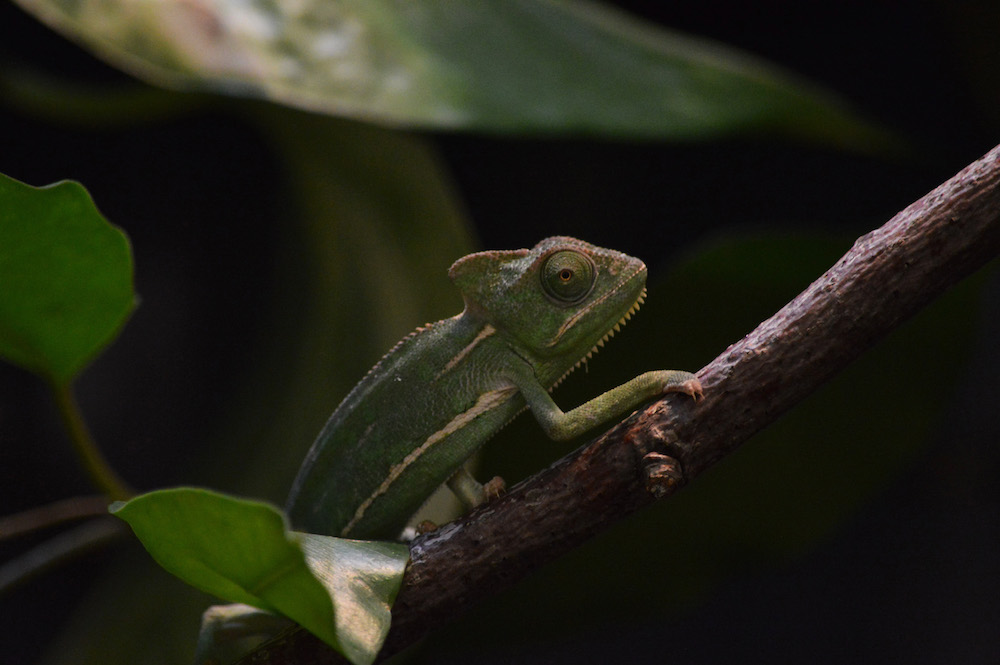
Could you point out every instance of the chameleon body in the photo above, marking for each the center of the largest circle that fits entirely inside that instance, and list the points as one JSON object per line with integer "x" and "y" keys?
{"x": 530, "y": 317}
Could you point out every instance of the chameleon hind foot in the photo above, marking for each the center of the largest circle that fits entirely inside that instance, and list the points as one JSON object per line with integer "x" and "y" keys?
{"x": 494, "y": 488}
{"x": 686, "y": 383}
{"x": 471, "y": 492}
{"x": 468, "y": 491}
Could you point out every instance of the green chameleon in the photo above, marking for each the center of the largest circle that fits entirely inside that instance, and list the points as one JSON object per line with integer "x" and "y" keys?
{"x": 531, "y": 316}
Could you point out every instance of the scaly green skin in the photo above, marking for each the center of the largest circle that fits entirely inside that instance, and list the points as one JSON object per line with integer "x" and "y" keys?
{"x": 530, "y": 317}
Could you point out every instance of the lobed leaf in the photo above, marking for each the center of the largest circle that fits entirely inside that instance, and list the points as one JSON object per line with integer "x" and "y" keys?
{"x": 66, "y": 275}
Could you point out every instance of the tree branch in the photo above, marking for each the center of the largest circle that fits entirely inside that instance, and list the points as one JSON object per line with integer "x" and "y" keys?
{"x": 887, "y": 276}
{"x": 52, "y": 514}
{"x": 66, "y": 546}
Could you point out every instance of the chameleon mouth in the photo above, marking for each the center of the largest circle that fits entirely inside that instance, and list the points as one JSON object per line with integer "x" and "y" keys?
{"x": 608, "y": 335}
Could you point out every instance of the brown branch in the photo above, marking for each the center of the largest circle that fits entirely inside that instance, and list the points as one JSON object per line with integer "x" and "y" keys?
{"x": 66, "y": 546}
{"x": 52, "y": 514}
{"x": 887, "y": 276}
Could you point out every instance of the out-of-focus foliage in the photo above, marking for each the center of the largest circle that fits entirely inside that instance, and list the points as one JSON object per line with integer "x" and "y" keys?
{"x": 526, "y": 66}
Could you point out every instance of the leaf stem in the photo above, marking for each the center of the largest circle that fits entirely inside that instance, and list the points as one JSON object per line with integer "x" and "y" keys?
{"x": 97, "y": 467}
{"x": 68, "y": 103}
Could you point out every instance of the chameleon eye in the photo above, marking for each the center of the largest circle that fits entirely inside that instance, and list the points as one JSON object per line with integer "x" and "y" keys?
{"x": 568, "y": 276}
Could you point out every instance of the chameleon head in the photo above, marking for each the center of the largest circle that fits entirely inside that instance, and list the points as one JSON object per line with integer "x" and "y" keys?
{"x": 558, "y": 300}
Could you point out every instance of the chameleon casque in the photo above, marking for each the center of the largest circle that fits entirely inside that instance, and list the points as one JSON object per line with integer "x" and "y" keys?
{"x": 530, "y": 317}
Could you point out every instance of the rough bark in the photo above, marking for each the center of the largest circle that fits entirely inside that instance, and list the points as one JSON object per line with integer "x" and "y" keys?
{"x": 888, "y": 275}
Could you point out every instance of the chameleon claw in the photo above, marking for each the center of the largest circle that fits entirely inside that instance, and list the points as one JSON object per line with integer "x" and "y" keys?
{"x": 662, "y": 473}
{"x": 493, "y": 488}
{"x": 425, "y": 526}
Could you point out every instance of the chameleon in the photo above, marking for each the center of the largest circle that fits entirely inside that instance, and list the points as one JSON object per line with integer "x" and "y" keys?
{"x": 531, "y": 316}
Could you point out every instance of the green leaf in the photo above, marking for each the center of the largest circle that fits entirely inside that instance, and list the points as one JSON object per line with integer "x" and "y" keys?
{"x": 363, "y": 578}
{"x": 519, "y": 65}
{"x": 243, "y": 552}
{"x": 66, "y": 275}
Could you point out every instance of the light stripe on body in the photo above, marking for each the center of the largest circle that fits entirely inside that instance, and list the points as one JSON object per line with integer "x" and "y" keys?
{"x": 484, "y": 403}
{"x": 483, "y": 334}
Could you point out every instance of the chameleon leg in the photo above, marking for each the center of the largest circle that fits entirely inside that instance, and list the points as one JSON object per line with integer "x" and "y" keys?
{"x": 470, "y": 491}
{"x": 561, "y": 425}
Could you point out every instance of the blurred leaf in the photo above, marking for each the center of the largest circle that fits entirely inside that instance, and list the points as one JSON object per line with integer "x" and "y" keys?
{"x": 378, "y": 225}
{"x": 43, "y": 96}
{"x": 66, "y": 275}
{"x": 242, "y": 552}
{"x": 516, "y": 66}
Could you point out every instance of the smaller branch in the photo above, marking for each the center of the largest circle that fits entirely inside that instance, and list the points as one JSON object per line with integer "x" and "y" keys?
{"x": 52, "y": 514}
{"x": 67, "y": 545}
{"x": 97, "y": 467}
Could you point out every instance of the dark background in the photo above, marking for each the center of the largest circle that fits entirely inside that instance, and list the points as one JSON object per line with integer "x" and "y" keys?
{"x": 914, "y": 578}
